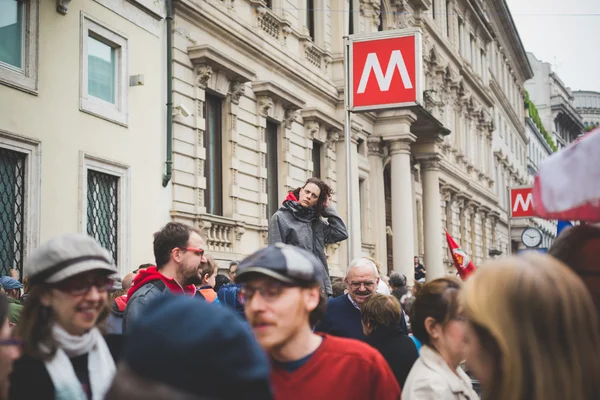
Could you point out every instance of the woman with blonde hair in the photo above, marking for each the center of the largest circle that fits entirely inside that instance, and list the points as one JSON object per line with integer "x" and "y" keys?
{"x": 532, "y": 331}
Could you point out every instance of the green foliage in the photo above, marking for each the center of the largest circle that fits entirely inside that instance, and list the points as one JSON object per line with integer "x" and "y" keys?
{"x": 535, "y": 116}
{"x": 589, "y": 127}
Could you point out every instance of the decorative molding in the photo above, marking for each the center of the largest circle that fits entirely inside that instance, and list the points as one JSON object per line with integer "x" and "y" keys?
{"x": 237, "y": 90}
{"x": 62, "y": 6}
{"x": 324, "y": 119}
{"x": 429, "y": 161}
{"x": 208, "y": 55}
{"x": 265, "y": 103}
{"x": 289, "y": 116}
{"x": 332, "y": 138}
{"x": 203, "y": 74}
{"x": 374, "y": 146}
{"x": 312, "y": 128}
{"x": 278, "y": 94}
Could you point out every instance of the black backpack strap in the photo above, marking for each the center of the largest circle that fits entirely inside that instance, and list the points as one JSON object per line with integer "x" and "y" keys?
{"x": 160, "y": 285}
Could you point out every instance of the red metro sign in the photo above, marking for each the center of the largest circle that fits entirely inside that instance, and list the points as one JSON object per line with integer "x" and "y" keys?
{"x": 521, "y": 202}
{"x": 385, "y": 70}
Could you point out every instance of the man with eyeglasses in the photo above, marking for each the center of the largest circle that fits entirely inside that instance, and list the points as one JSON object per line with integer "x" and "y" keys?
{"x": 343, "y": 317}
{"x": 282, "y": 300}
{"x": 179, "y": 251}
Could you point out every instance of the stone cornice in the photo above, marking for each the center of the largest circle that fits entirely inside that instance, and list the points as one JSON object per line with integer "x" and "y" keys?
{"x": 277, "y": 93}
{"x": 205, "y": 55}
{"x": 511, "y": 37}
{"x": 245, "y": 40}
{"x": 324, "y": 119}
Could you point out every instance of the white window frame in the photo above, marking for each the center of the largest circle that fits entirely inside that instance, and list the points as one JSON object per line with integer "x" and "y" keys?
{"x": 33, "y": 184}
{"x": 123, "y": 172}
{"x": 25, "y": 78}
{"x": 118, "y": 112}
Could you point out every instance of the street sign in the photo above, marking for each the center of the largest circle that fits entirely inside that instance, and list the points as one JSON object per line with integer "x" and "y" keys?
{"x": 521, "y": 202}
{"x": 385, "y": 70}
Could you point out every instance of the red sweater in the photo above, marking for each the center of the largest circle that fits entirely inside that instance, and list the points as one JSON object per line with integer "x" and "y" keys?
{"x": 339, "y": 369}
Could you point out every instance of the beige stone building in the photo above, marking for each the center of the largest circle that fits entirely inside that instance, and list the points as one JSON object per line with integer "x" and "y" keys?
{"x": 82, "y": 125}
{"x": 587, "y": 103}
{"x": 258, "y": 107}
{"x": 264, "y": 81}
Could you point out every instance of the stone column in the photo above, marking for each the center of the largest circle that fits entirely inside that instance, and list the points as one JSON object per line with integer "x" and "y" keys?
{"x": 342, "y": 189}
{"x": 377, "y": 194}
{"x": 402, "y": 206}
{"x": 434, "y": 258}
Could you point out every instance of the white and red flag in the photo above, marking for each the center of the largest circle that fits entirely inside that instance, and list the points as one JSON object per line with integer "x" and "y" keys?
{"x": 462, "y": 262}
{"x": 567, "y": 185}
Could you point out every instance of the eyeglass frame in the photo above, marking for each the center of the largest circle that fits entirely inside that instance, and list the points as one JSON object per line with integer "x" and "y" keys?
{"x": 193, "y": 250}
{"x": 281, "y": 286}
{"x": 367, "y": 285}
{"x": 86, "y": 289}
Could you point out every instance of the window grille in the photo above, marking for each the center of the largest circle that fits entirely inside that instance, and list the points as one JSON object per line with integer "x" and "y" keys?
{"x": 12, "y": 210}
{"x": 103, "y": 210}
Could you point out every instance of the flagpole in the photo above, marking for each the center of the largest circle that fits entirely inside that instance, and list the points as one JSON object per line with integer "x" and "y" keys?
{"x": 509, "y": 214}
{"x": 348, "y": 131}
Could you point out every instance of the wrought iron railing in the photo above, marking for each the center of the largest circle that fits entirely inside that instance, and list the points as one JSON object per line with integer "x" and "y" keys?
{"x": 12, "y": 210}
{"x": 103, "y": 210}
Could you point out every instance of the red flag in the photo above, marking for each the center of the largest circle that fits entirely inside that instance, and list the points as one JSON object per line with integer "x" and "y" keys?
{"x": 462, "y": 262}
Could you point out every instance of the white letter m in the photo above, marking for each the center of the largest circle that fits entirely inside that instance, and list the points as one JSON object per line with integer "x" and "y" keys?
{"x": 384, "y": 81}
{"x": 524, "y": 203}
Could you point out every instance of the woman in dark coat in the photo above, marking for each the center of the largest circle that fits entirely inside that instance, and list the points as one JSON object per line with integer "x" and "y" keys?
{"x": 381, "y": 315}
{"x": 64, "y": 354}
{"x": 300, "y": 222}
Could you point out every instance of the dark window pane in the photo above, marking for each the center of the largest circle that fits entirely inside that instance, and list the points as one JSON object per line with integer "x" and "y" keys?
{"x": 103, "y": 210}
{"x": 271, "y": 161}
{"x": 316, "y": 157}
{"x": 310, "y": 18}
{"x": 213, "y": 165}
{"x": 381, "y": 11}
{"x": 12, "y": 210}
{"x": 350, "y": 17}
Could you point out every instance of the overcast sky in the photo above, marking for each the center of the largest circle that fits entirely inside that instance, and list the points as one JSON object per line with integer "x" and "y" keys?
{"x": 565, "y": 34}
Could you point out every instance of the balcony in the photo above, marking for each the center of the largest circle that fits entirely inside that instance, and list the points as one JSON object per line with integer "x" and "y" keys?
{"x": 222, "y": 234}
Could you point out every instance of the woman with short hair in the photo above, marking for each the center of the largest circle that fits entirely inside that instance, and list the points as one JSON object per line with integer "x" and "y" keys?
{"x": 64, "y": 355}
{"x": 532, "y": 331}
{"x": 438, "y": 323}
{"x": 381, "y": 317}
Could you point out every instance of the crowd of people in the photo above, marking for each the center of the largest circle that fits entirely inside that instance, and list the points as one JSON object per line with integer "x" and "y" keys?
{"x": 277, "y": 326}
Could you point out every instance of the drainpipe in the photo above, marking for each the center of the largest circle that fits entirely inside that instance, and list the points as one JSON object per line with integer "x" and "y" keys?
{"x": 169, "y": 161}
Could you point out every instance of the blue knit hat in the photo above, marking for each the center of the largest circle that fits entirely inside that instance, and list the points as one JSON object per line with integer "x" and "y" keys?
{"x": 199, "y": 348}
{"x": 9, "y": 283}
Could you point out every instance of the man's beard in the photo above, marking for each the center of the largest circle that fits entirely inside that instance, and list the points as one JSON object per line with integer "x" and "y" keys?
{"x": 192, "y": 279}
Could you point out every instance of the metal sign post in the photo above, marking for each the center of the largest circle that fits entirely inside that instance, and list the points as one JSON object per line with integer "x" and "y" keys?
{"x": 348, "y": 141}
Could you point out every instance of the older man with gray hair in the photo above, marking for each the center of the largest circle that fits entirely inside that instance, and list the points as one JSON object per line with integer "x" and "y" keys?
{"x": 343, "y": 316}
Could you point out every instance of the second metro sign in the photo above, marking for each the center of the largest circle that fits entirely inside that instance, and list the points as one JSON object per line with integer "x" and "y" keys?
{"x": 385, "y": 70}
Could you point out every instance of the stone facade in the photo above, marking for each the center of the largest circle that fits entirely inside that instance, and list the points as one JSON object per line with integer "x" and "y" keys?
{"x": 538, "y": 151}
{"x": 275, "y": 70}
{"x": 69, "y": 160}
{"x": 588, "y": 106}
{"x": 555, "y": 103}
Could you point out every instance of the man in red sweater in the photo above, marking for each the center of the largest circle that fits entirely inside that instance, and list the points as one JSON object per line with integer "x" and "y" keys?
{"x": 282, "y": 301}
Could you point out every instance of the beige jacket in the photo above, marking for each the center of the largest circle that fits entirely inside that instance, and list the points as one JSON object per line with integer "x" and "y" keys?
{"x": 432, "y": 379}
